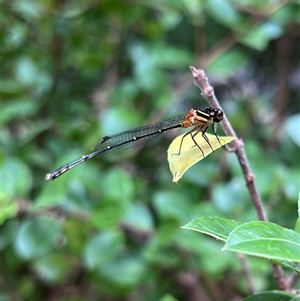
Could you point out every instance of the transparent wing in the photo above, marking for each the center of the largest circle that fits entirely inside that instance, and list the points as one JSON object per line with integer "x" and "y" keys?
{"x": 136, "y": 139}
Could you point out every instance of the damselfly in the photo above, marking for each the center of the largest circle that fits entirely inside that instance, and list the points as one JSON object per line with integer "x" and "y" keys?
{"x": 136, "y": 139}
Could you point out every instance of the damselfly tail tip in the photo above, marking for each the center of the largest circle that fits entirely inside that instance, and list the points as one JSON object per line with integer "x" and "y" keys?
{"x": 48, "y": 177}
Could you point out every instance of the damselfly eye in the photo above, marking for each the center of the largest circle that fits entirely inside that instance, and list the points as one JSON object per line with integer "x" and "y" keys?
{"x": 217, "y": 115}
{"x": 220, "y": 115}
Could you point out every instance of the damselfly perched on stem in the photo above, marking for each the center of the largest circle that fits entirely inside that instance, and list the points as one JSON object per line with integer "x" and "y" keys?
{"x": 138, "y": 138}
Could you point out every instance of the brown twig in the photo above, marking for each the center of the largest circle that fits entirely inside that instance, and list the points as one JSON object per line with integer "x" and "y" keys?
{"x": 293, "y": 279}
{"x": 191, "y": 286}
{"x": 285, "y": 47}
{"x": 247, "y": 273}
{"x": 280, "y": 279}
{"x": 207, "y": 92}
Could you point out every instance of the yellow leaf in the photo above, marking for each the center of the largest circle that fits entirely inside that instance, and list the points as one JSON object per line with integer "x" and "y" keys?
{"x": 180, "y": 160}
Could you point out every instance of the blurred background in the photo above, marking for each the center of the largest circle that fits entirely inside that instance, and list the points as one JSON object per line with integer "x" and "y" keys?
{"x": 75, "y": 71}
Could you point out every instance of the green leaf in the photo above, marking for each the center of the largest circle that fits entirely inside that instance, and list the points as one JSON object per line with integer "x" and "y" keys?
{"x": 36, "y": 237}
{"x": 271, "y": 296}
{"x": 107, "y": 214}
{"x": 8, "y": 233}
{"x": 168, "y": 231}
{"x": 18, "y": 109}
{"x": 299, "y": 205}
{"x": 25, "y": 8}
{"x": 54, "y": 268}
{"x": 265, "y": 239}
{"x": 170, "y": 57}
{"x": 220, "y": 228}
{"x": 17, "y": 180}
{"x": 119, "y": 186}
{"x": 8, "y": 209}
{"x": 102, "y": 249}
{"x": 169, "y": 19}
{"x": 168, "y": 298}
{"x": 190, "y": 153}
{"x": 169, "y": 205}
{"x": 219, "y": 67}
{"x": 144, "y": 63}
{"x": 216, "y": 227}
{"x": 223, "y": 11}
{"x": 28, "y": 73}
{"x": 126, "y": 272}
{"x": 259, "y": 37}
{"x": 138, "y": 216}
{"x": 297, "y": 227}
{"x": 114, "y": 121}
{"x": 229, "y": 196}
{"x": 292, "y": 127}
{"x": 159, "y": 254}
{"x": 33, "y": 130}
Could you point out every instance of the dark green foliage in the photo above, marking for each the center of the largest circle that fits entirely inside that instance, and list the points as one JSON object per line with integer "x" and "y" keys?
{"x": 75, "y": 71}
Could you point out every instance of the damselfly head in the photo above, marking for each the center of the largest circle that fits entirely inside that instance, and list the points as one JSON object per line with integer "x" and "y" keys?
{"x": 216, "y": 114}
